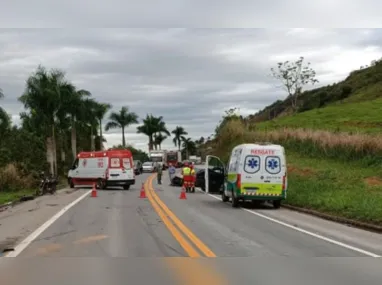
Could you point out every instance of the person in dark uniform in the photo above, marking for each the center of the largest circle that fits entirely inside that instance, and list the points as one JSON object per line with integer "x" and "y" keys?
{"x": 159, "y": 173}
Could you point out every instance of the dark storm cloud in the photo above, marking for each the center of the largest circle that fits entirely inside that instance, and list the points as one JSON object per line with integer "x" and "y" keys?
{"x": 187, "y": 76}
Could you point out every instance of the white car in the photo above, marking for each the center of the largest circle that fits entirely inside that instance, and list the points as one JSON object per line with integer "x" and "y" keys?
{"x": 148, "y": 167}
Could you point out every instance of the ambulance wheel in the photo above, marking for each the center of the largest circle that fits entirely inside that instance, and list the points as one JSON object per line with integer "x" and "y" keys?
{"x": 70, "y": 182}
{"x": 126, "y": 187}
{"x": 224, "y": 197}
{"x": 277, "y": 204}
{"x": 101, "y": 184}
{"x": 235, "y": 201}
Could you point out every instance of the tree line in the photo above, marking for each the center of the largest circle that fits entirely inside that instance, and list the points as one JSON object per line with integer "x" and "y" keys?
{"x": 61, "y": 119}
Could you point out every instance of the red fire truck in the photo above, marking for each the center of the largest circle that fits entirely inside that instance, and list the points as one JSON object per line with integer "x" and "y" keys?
{"x": 174, "y": 158}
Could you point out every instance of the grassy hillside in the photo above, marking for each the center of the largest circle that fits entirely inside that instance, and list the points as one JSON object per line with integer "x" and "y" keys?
{"x": 364, "y": 117}
{"x": 335, "y": 174}
{"x": 333, "y": 145}
{"x": 350, "y": 105}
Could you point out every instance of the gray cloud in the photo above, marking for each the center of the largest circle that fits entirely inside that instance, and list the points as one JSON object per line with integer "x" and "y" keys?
{"x": 196, "y": 13}
{"x": 187, "y": 76}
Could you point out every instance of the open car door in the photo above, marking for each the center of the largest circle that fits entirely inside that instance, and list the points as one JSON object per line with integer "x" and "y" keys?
{"x": 214, "y": 174}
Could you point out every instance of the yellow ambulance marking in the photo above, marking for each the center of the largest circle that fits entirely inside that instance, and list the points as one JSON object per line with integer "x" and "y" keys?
{"x": 260, "y": 194}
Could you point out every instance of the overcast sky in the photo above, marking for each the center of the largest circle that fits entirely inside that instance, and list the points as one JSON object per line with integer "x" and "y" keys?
{"x": 188, "y": 76}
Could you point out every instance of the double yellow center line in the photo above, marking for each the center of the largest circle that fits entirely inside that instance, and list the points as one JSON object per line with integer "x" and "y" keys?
{"x": 193, "y": 246}
{"x": 188, "y": 271}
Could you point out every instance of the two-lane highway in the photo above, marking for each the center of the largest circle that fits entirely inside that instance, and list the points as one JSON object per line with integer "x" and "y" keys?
{"x": 117, "y": 223}
{"x": 128, "y": 240}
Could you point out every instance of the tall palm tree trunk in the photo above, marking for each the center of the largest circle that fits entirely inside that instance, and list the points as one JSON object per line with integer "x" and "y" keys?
{"x": 123, "y": 137}
{"x": 150, "y": 143}
{"x": 62, "y": 146}
{"x": 55, "y": 172}
{"x": 100, "y": 135}
{"x": 154, "y": 141}
{"x": 92, "y": 142}
{"x": 49, "y": 153}
{"x": 74, "y": 139}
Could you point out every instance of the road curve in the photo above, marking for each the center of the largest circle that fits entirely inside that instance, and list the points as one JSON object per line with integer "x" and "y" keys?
{"x": 118, "y": 237}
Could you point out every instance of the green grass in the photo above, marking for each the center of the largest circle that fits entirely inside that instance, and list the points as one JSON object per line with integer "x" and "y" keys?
{"x": 11, "y": 196}
{"x": 364, "y": 117}
{"x": 333, "y": 179}
{"x": 334, "y": 188}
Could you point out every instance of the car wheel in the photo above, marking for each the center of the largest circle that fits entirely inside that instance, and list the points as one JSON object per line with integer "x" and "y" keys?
{"x": 126, "y": 187}
{"x": 277, "y": 204}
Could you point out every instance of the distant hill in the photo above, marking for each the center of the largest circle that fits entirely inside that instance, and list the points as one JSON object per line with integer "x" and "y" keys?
{"x": 354, "y": 104}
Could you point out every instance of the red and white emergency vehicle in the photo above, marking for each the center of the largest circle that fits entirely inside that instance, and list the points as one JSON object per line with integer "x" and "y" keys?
{"x": 105, "y": 168}
{"x": 174, "y": 157}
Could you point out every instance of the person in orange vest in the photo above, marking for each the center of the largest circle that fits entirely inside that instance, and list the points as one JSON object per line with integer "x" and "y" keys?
{"x": 187, "y": 178}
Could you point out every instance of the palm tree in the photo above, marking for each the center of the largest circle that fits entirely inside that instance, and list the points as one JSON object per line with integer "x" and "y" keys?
{"x": 100, "y": 112}
{"x": 90, "y": 121}
{"x": 152, "y": 127}
{"x": 76, "y": 106}
{"x": 159, "y": 139}
{"x": 99, "y": 142}
{"x": 188, "y": 145}
{"x": 44, "y": 96}
{"x": 161, "y": 129}
{"x": 179, "y": 134}
{"x": 198, "y": 145}
{"x": 122, "y": 120}
{"x": 148, "y": 129}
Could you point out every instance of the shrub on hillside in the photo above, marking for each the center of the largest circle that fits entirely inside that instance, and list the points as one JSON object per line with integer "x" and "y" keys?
{"x": 338, "y": 145}
{"x": 20, "y": 146}
{"x": 14, "y": 178}
{"x": 312, "y": 143}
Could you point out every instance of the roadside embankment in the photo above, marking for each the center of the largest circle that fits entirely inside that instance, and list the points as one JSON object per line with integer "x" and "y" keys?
{"x": 332, "y": 173}
{"x": 16, "y": 184}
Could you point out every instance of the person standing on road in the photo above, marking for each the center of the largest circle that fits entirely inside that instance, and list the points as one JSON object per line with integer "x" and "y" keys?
{"x": 159, "y": 173}
{"x": 193, "y": 178}
{"x": 186, "y": 172}
{"x": 171, "y": 172}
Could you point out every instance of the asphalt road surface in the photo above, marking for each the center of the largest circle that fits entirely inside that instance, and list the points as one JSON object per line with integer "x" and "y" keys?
{"x": 119, "y": 238}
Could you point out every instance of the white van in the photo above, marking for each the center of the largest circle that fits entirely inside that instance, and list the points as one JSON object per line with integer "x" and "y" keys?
{"x": 256, "y": 172}
{"x": 103, "y": 168}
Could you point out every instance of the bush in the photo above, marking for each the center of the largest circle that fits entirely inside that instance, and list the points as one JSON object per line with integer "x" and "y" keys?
{"x": 312, "y": 143}
{"x": 14, "y": 178}
{"x": 20, "y": 146}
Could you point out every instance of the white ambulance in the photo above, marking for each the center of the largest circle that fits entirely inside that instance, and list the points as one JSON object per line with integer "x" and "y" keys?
{"x": 104, "y": 168}
{"x": 256, "y": 172}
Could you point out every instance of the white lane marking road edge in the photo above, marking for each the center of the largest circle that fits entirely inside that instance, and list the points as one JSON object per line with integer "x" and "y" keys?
{"x": 29, "y": 239}
{"x": 353, "y": 248}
